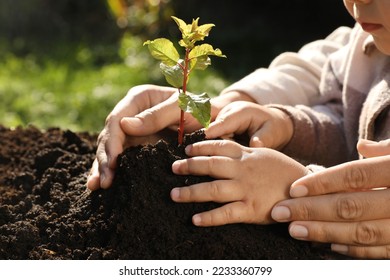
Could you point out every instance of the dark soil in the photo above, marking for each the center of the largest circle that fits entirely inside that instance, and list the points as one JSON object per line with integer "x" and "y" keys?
{"x": 47, "y": 213}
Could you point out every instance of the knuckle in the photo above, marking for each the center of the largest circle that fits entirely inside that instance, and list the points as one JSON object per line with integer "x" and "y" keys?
{"x": 187, "y": 194}
{"x": 221, "y": 119}
{"x": 148, "y": 114}
{"x": 229, "y": 215}
{"x": 102, "y": 136}
{"x": 304, "y": 212}
{"x": 366, "y": 234}
{"x": 355, "y": 177}
{"x": 214, "y": 191}
{"x": 321, "y": 184}
{"x": 211, "y": 163}
{"x": 110, "y": 119}
{"x": 321, "y": 233}
{"x": 220, "y": 144}
{"x": 349, "y": 208}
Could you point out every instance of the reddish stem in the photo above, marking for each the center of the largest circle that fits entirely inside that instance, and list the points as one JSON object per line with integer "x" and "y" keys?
{"x": 180, "y": 130}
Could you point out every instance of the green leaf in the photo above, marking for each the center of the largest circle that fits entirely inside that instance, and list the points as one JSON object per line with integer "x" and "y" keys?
{"x": 173, "y": 74}
{"x": 198, "y": 106}
{"x": 200, "y": 63}
{"x": 183, "y": 27}
{"x": 191, "y": 33}
{"x": 205, "y": 49}
{"x": 199, "y": 56}
{"x": 204, "y": 29}
{"x": 164, "y": 50}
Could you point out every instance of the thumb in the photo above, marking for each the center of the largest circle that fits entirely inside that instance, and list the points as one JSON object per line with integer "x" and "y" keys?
{"x": 368, "y": 148}
{"x": 153, "y": 119}
{"x": 264, "y": 137}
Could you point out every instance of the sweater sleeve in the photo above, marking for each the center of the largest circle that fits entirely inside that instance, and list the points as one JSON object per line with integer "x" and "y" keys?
{"x": 318, "y": 134}
{"x": 292, "y": 78}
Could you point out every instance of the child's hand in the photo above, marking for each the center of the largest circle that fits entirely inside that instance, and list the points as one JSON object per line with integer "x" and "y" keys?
{"x": 249, "y": 181}
{"x": 266, "y": 127}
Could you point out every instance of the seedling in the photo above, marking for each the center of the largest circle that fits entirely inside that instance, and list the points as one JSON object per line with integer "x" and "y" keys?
{"x": 177, "y": 71}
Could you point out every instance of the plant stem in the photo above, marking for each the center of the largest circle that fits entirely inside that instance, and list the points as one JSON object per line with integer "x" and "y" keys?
{"x": 180, "y": 130}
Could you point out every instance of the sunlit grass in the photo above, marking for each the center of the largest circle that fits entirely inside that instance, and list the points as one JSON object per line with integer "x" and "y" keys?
{"x": 76, "y": 92}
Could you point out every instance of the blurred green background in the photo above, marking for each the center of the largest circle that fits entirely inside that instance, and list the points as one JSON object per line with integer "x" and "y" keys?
{"x": 66, "y": 63}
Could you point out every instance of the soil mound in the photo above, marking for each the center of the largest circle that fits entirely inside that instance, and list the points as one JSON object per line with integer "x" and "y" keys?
{"x": 47, "y": 213}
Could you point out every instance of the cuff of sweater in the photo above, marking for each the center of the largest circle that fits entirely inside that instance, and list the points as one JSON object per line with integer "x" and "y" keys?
{"x": 302, "y": 143}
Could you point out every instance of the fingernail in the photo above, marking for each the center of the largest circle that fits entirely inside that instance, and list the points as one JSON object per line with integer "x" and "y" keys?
{"x": 175, "y": 194}
{"x": 134, "y": 122}
{"x": 299, "y": 191}
{"x": 281, "y": 213}
{"x": 342, "y": 249}
{"x": 188, "y": 149}
{"x": 298, "y": 232}
{"x": 175, "y": 167}
{"x": 196, "y": 220}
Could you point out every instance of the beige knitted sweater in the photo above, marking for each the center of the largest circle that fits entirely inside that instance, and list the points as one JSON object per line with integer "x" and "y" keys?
{"x": 336, "y": 91}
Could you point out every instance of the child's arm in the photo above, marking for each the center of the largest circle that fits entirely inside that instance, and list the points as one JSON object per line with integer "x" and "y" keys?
{"x": 293, "y": 78}
{"x": 249, "y": 181}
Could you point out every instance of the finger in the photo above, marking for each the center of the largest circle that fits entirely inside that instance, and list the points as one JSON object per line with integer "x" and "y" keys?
{"x": 353, "y": 206}
{"x": 215, "y": 148}
{"x": 366, "y": 233}
{"x": 110, "y": 145}
{"x": 363, "y": 252}
{"x": 231, "y": 213}
{"x": 218, "y": 191}
{"x": 106, "y": 174}
{"x": 93, "y": 180}
{"x": 216, "y": 167}
{"x": 153, "y": 119}
{"x": 227, "y": 124}
{"x": 352, "y": 176}
{"x": 369, "y": 148}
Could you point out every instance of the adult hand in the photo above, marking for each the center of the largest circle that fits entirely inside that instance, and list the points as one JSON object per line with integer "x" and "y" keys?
{"x": 248, "y": 181}
{"x": 265, "y": 126}
{"x": 139, "y": 118}
{"x": 124, "y": 126}
{"x": 346, "y": 205}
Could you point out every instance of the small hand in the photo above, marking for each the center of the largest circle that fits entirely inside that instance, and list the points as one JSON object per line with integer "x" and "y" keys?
{"x": 248, "y": 181}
